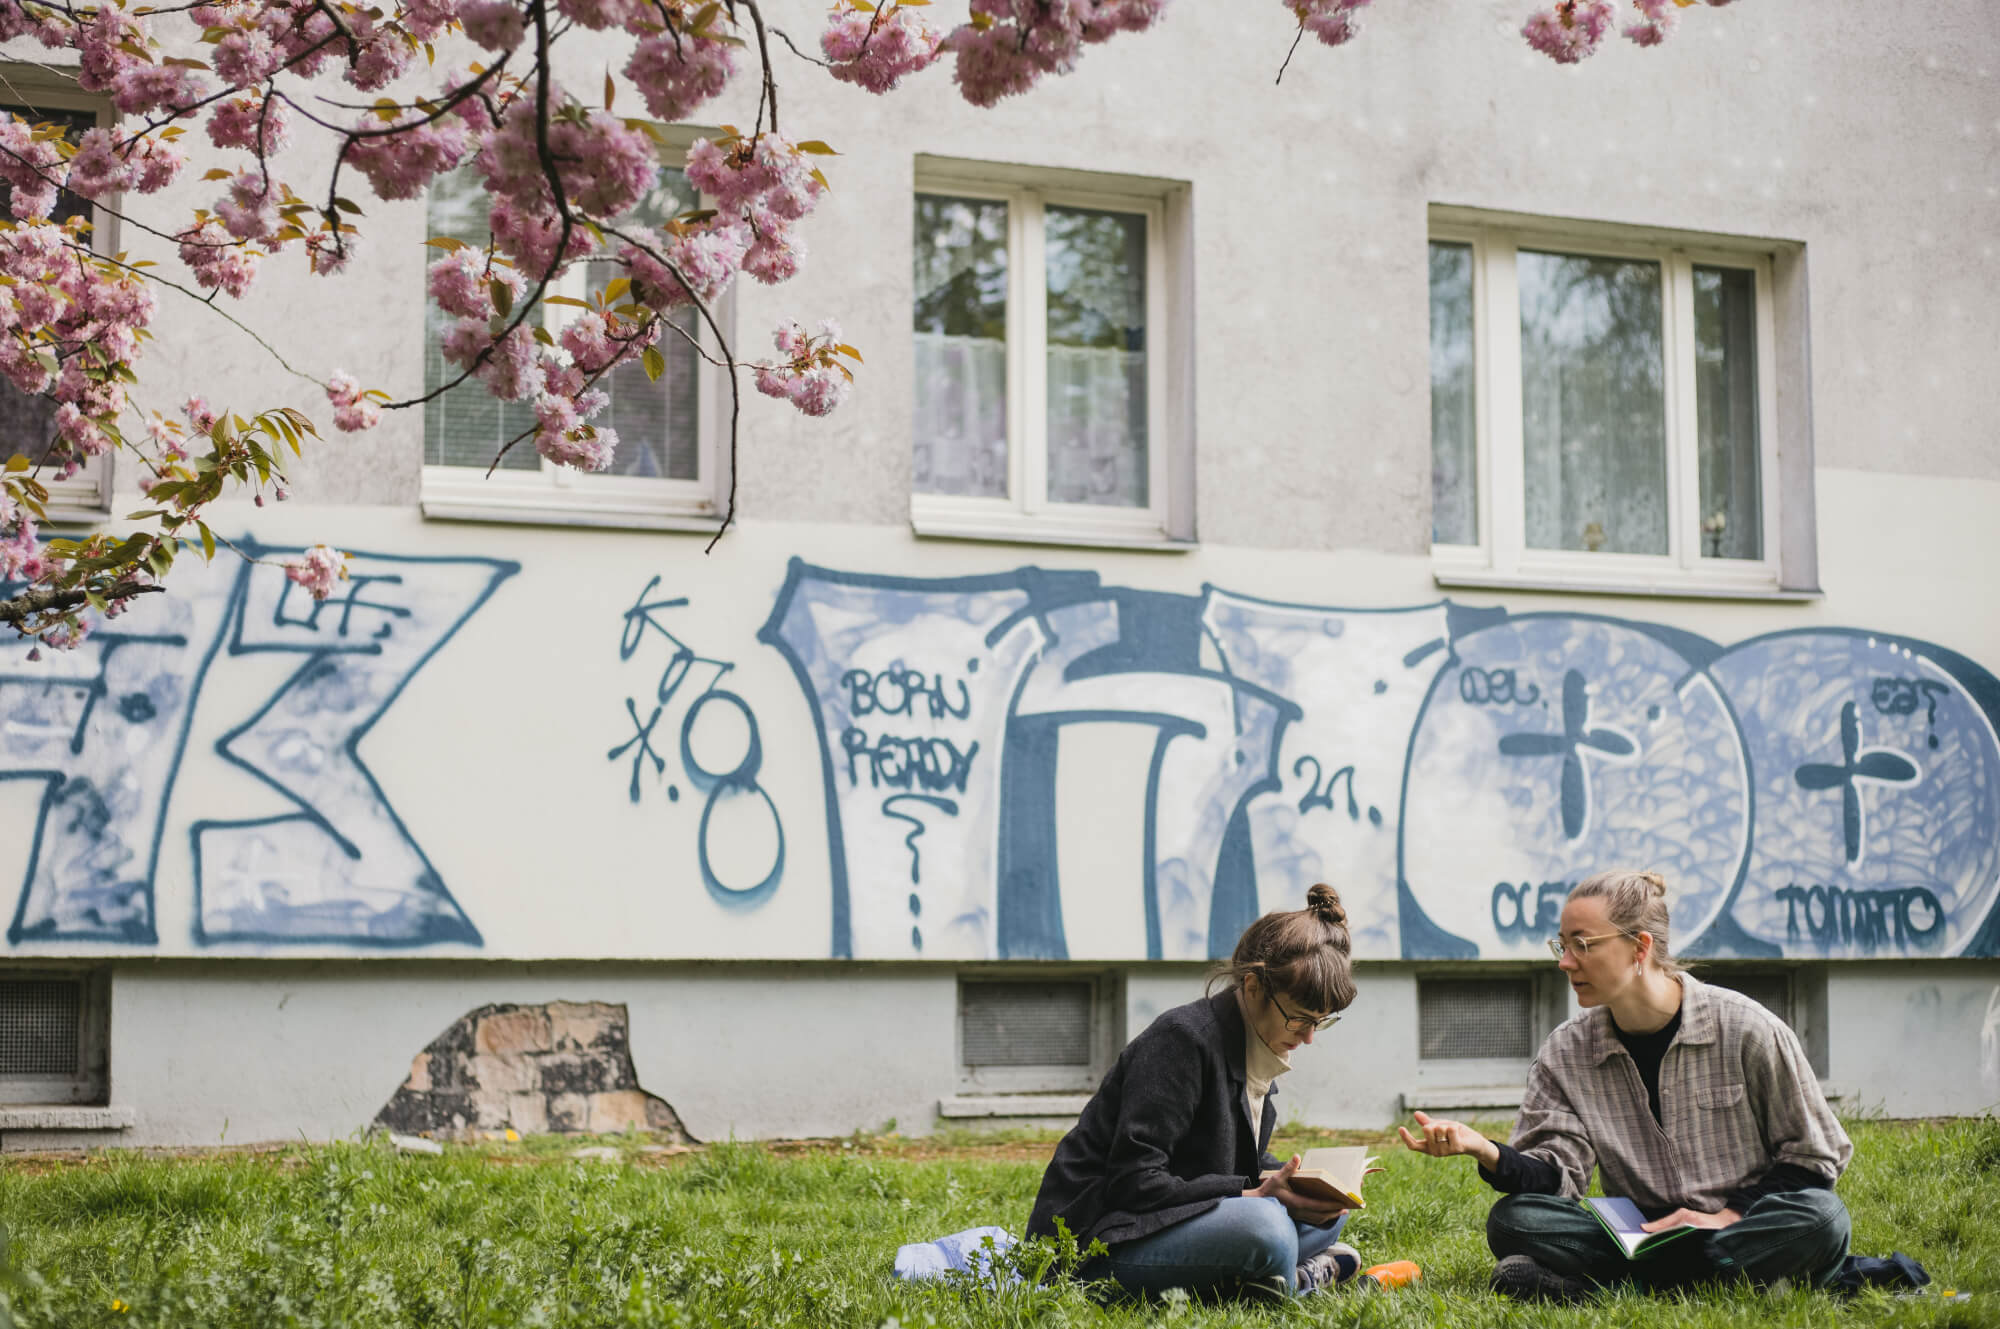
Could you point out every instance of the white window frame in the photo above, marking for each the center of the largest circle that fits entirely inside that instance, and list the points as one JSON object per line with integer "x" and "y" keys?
{"x": 1027, "y": 514}
{"x": 562, "y": 495}
{"x": 1502, "y": 557}
{"x": 84, "y": 498}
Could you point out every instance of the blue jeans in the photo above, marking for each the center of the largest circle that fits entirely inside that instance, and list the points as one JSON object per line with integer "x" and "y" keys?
{"x": 1799, "y": 1235}
{"x": 1243, "y": 1240}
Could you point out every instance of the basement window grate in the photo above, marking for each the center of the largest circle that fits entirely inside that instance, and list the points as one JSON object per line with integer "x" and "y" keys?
{"x": 41, "y": 1022}
{"x": 1025, "y": 1024}
{"x": 1463, "y": 1019}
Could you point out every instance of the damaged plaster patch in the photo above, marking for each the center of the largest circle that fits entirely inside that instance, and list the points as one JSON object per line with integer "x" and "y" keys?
{"x": 558, "y": 1068}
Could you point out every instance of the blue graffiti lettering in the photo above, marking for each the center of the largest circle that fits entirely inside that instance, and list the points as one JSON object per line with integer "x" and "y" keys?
{"x": 927, "y": 763}
{"x": 896, "y": 691}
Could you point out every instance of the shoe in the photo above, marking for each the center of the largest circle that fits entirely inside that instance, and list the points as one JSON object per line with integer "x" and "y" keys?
{"x": 1523, "y": 1279}
{"x": 1330, "y": 1268}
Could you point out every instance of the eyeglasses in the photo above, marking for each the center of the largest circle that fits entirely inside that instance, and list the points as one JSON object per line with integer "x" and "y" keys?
{"x": 1300, "y": 1024}
{"x": 1578, "y": 946}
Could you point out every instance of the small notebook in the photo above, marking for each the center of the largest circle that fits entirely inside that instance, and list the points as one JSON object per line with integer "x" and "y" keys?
{"x": 1622, "y": 1219}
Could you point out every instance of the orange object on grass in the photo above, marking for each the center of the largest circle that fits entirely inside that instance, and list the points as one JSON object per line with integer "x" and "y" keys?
{"x": 1397, "y": 1273}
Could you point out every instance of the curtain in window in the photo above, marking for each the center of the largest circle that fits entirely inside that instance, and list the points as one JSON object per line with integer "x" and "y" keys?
{"x": 961, "y": 416}
{"x": 1725, "y": 350}
{"x": 1454, "y": 440}
{"x": 960, "y": 323}
{"x": 1593, "y": 399}
{"x": 1097, "y": 425}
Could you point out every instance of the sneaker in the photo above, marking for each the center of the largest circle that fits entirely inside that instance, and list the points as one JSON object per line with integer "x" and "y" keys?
{"x": 1330, "y": 1268}
{"x": 1522, "y": 1278}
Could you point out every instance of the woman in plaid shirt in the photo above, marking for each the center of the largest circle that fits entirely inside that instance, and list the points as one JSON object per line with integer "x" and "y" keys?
{"x": 1693, "y": 1101}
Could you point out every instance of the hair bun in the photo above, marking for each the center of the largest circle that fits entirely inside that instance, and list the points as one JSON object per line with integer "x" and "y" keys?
{"x": 1324, "y": 902}
{"x": 1656, "y": 882}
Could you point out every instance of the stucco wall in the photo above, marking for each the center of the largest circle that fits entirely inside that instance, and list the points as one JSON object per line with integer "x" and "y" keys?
{"x": 448, "y": 786}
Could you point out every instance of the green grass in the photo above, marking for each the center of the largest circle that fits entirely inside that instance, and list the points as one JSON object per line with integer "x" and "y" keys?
{"x": 358, "y": 1237}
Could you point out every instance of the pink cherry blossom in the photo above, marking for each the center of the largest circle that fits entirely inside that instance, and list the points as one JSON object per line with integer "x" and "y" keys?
{"x": 676, "y": 75}
{"x": 320, "y": 571}
{"x": 877, "y": 50}
{"x": 248, "y": 121}
{"x": 1570, "y": 30}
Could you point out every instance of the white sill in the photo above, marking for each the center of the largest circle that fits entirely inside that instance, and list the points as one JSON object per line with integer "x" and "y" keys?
{"x": 988, "y": 1106}
{"x": 66, "y": 1118}
{"x": 1029, "y": 532}
{"x": 1690, "y": 586}
{"x": 543, "y": 513}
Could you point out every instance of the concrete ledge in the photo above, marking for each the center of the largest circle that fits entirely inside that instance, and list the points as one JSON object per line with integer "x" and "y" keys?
{"x": 1012, "y": 1105}
{"x": 67, "y": 1118}
{"x": 1431, "y": 1098}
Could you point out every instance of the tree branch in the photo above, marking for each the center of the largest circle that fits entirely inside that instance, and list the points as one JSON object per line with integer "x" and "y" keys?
{"x": 48, "y": 600}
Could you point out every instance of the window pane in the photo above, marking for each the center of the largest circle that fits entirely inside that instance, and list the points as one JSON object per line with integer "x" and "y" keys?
{"x": 658, "y": 423}
{"x": 1725, "y": 358}
{"x": 1454, "y": 446}
{"x": 961, "y": 347}
{"x": 28, "y": 423}
{"x": 467, "y": 425}
{"x": 1593, "y": 415}
{"x": 1097, "y": 357}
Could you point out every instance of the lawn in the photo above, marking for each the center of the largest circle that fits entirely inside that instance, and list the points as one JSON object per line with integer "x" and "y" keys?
{"x": 361, "y": 1237}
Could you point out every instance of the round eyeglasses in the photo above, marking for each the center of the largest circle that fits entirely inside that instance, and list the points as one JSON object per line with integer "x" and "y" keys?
{"x": 1578, "y": 946}
{"x": 1300, "y": 1024}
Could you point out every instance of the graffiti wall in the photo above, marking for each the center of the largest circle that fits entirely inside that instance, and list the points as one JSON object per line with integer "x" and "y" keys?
{"x": 1033, "y": 764}
{"x": 102, "y": 730}
{"x": 1453, "y": 770}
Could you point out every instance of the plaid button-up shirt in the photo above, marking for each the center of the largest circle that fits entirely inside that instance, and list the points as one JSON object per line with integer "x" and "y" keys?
{"x": 1736, "y": 1097}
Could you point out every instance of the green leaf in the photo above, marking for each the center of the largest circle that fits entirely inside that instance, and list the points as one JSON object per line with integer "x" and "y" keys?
{"x": 655, "y": 363}
{"x": 503, "y": 297}
{"x": 19, "y": 462}
{"x": 207, "y": 541}
{"x": 817, "y": 148}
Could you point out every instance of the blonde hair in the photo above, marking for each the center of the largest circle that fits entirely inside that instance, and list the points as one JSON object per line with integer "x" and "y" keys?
{"x": 1299, "y": 953}
{"x": 1635, "y": 902}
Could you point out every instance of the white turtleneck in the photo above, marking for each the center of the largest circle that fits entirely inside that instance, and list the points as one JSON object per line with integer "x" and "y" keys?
{"x": 1260, "y": 1064}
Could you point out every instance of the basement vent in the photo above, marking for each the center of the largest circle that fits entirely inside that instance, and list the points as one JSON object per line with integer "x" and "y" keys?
{"x": 1772, "y": 991}
{"x": 54, "y": 1028}
{"x": 1475, "y": 1019}
{"x": 1024, "y": 1024}
{"x": 41, "y": 1023}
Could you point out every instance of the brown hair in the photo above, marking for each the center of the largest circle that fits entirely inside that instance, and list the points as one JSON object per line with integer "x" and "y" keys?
{"x": 1635, "y": 902}
{"x": 1298, "y": 953}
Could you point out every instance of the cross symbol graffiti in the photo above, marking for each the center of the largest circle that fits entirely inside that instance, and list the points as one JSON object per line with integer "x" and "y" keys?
{"x": 1576, "y": 739}
{"x": 1856, "y": 764}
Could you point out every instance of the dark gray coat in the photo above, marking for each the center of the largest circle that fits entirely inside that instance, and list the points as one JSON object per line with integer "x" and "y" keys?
{"x": 1165, "y": 1137}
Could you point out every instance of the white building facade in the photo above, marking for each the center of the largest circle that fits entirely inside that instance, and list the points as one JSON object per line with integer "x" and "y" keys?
{"x": 1442, "y": 474}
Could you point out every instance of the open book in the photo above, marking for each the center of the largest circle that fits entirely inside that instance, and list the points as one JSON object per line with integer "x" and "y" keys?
{"x": 1622, "y": 1219}
{"x": 1334, "y": 1174}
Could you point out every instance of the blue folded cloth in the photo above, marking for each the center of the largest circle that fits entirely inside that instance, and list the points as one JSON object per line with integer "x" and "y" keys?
{"x": 961, "y": 1251}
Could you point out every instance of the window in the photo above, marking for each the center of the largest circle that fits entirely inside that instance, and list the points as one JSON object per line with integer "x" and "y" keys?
{"x": 1604, "y": 411}
{"x": 54, "y": 1030}
{"x": 668, "y": 471}
{"x": 1796, "y": 995}
{"x": 28, "y": 422}
{"x": 1045, "y": 327}
{"x": 1035, "y": 1036}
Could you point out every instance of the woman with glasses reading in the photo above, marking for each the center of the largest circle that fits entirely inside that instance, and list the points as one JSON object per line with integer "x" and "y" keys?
{"x": 1166, "y": 1165}
{"x": 1692, "y": 1101}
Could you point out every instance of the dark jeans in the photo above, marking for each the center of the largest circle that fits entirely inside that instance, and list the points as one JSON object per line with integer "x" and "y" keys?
{"x": 1800, "y": 1235}
{"x": 1244, "y": 1240}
